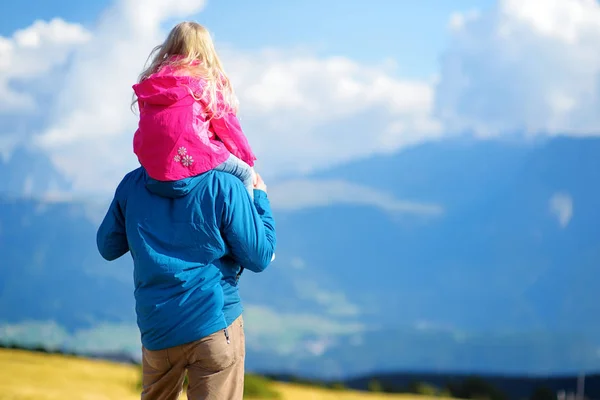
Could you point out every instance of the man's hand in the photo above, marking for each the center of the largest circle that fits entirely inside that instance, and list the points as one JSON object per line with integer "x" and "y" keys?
{"x": 259, "y": 183}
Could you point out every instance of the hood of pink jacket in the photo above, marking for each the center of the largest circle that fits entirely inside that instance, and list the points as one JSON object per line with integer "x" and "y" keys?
{"x": 164, "y": 89}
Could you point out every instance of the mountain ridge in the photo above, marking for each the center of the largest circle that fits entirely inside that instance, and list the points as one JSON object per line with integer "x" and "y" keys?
{"x": 354, "y": 284}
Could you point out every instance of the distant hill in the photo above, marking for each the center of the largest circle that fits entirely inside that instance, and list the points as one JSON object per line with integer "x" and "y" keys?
{"x": 502, "y": 280}
{"x": 506, "y": 387}
{"x": 513, "y": 387}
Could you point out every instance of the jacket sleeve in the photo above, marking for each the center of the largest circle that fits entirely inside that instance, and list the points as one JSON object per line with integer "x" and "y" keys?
{"x": 249, "y": 230}
{"x": 230, "y": 132}
{"x": 111, "y": 238}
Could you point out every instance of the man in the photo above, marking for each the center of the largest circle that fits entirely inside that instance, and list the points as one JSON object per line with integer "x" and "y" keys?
{"x": 188, "y": 239}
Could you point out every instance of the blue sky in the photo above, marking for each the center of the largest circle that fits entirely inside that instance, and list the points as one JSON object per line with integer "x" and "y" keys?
{"x": 412, "y": 32}
{"x": 320, "y": 83}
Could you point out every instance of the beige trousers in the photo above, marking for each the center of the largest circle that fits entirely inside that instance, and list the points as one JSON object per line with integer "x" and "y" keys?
{"x": 214, "y": 364}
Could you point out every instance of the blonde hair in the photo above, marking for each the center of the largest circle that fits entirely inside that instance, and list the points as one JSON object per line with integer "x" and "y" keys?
{"x": 190, "y": 50}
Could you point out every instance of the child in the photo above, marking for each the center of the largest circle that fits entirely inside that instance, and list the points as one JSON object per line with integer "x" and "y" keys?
{"x": 188, "y": 122}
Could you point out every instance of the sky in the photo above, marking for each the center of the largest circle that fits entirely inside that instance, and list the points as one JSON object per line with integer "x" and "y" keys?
{"x": 413, "y": 33}
{"x": 320, "y": 83}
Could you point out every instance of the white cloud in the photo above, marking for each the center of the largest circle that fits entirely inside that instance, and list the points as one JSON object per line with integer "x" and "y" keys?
{"x": 301, "y": 112}
{"x": 105, "y": 337}
{"x": 561, "y": 206}
{"x": 524, "y": 66}
{"x": 291, "y": 111}
{"x": 97, "y": 92}
{"x": 283, "y": 333}
{"x": 89, "y": 137}
{"x": 32, "y": 52}
{"x": 291, "y": 333}
{"x": 318, "y": 347}
{"x": 33, "y": 333}
{"x": 297, "y": 263}
{"x": 299, "y": 194}
{"x": 458, "y": 20}
{"x": 334, "y": 303}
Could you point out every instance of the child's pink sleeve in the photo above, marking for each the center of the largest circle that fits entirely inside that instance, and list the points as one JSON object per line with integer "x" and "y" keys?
{"x": 230, "y": 132}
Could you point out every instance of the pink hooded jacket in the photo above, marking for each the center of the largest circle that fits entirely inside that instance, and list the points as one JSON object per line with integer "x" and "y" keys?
{"x": 174, "y": 139}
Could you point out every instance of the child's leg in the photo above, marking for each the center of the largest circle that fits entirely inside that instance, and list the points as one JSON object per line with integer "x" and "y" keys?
{"x": 240, "y": 169}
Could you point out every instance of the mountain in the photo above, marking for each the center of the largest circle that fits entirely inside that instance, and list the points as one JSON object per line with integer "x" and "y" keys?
{"x": 497, "y": 259}
{"x": 501, "y": 279}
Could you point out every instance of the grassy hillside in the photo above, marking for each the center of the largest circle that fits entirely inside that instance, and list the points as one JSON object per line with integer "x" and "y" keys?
{"x": 26, "y": 375}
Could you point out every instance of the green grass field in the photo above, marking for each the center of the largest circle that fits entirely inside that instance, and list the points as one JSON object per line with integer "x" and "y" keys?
{"x": 27, "y": 376}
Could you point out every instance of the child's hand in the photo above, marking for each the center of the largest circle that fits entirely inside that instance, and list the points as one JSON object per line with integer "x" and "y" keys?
{"x": 259, "y": 184}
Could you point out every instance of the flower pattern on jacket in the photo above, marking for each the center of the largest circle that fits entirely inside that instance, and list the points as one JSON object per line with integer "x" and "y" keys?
{"x": 183, "y": 157}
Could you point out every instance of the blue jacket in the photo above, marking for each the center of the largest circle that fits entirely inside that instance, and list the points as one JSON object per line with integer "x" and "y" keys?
{"x": 187, "y": 239}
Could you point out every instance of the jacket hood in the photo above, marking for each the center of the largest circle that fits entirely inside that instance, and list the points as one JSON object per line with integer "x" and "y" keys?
{"x": 166, "y": 86}
{"x": 162, "y": 89}
{"x": 172, "y": 189}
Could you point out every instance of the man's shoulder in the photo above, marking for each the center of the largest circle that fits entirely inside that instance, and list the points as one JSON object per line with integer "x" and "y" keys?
{"x": 131, "y": 178}
{"x": 138, "y": 172}
{"x": 221, "y": 187}
{"x": 224, "y": 180}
